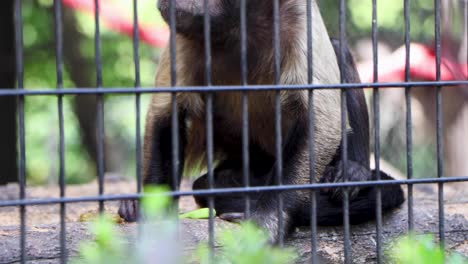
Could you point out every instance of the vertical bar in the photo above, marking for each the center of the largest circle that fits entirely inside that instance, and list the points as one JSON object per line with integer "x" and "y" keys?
{"x": 59, "y": 63}
{"x": 209, "y": 125}
{"x": 378, "y": 209}
{"x": 100, "y": 104}
{"x": 172, "y": 43}
{"x": 440, "y": 161}
{"x": 465, "y": 28}
{"x": 310, "y": 76}
{"x": 276, "y": 42}
{"x": 245, "y": 106}
{"x": 22, "y": 144}
{"x": 279, "y": 139}
{"x": 409, "y": 129}
{"x": 174, "y": 111}
{"x": 136, "y": 62}
{"x": 344, "y": 150}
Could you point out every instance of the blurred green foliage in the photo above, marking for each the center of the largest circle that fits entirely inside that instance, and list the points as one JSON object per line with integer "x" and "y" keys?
{"x": 42, "y": 130}
{"x": 244, "y": 245}
{"x": 158, "y": 241}
{"x": 421, "y": 249}
{"x": 108, "y": 247}
{"x": 118, "y": 71}
{"x": 248, "y": 245}
{"x": 390, "y": 19}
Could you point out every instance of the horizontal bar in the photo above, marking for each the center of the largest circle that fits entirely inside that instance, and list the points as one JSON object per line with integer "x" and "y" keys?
{"x": 240, "y": 190}
{"x": 223, "y": 88}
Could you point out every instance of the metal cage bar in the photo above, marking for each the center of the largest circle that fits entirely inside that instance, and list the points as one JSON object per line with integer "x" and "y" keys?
{"x": 59, "y": 63}
{"x": 208, "y": 90}
{"x": 439, "y": 123}
{"x": 209, "y": 123}
{"x": 174, "y": 107}
{"x": 310, "y": 77}
{"x": 245, "y": 106}
{"x": 226, "y": 88}
{"x": 278, "y": 117}
{"x": 221, "y": 191}
{"x": 137, "y": 85}
{"x": 136, "y": 62}
{"x": 344, "y": 141}
{"x": 376, "y": 107}
{"x": 22, "y": 141}
{"x": 100, "y": 103}
{"x": 409, "y": 129}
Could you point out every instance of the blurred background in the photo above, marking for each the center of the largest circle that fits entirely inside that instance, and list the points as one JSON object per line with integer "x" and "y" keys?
{"x": 118, "y": 70}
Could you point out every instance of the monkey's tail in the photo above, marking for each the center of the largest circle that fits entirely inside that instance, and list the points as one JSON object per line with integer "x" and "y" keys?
{"x": 363, "y": 207}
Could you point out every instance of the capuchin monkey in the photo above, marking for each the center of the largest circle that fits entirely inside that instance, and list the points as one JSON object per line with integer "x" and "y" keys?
{"x": 227, "y": 116}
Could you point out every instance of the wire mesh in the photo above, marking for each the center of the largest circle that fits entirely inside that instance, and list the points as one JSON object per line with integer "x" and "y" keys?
{"x": 209, "y": 90}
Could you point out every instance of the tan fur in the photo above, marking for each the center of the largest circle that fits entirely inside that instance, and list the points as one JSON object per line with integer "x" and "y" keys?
{"x": 160, "y": 105}
{"x": 261, "y": 104}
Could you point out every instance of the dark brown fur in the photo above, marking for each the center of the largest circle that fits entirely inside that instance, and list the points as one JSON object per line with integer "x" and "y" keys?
{"x": 227, "y": 112}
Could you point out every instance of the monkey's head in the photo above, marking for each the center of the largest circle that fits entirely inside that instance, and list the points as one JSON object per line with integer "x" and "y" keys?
{"x": 189, "y": 16}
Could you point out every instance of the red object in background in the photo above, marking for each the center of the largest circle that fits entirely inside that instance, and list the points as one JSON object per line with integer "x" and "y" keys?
{"x": 422, "y": 66}
{"x": 114, "y": 19}
{"x": 391, "y": 68}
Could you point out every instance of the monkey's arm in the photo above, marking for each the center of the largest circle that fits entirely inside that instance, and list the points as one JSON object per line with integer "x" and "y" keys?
{"x": 158, "y": 151}
{"x": 157, "y": 146}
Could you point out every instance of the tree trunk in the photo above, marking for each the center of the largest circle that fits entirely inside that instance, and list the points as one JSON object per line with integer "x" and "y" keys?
{"x": 8, "y": 151}
{"x": 85, "y": 106}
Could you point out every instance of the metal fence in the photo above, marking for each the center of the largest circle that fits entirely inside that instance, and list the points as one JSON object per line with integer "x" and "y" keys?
{"x": 21, "y": 92}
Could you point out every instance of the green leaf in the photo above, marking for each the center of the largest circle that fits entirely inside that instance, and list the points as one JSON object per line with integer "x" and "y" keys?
{"x": 203, "y": 213}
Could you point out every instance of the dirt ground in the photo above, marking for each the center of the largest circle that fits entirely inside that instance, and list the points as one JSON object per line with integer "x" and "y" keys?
{"x": 49, "y": 214}
{"x": 43, "y": 223}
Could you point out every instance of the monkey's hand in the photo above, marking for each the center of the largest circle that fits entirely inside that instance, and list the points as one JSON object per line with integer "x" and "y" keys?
{"x": 334, "y": 174}
{"x": 129, "y": 210}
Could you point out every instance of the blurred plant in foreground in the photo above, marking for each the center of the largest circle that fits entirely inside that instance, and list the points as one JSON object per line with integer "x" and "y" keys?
{"x": 247, "y": 245}
{"x": 415, "y": 249}
{"x": 158, "y": 240}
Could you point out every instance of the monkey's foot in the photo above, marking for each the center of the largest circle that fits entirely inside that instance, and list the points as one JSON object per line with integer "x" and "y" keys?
{"x": 129, "y": 210}
{"x": 354, "y": 172}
